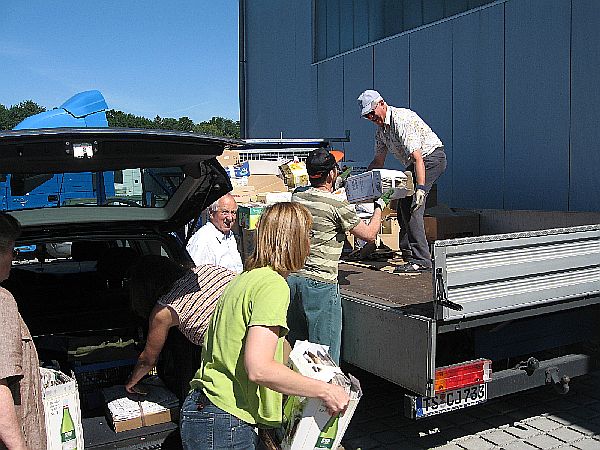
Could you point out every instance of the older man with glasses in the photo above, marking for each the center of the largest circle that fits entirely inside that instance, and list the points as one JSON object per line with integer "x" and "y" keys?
{"x": 214, "y": 243}
{"x": 406, "y": 136}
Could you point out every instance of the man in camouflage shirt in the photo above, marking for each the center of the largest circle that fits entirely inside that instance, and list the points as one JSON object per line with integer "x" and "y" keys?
{"x": 315, "y": 312}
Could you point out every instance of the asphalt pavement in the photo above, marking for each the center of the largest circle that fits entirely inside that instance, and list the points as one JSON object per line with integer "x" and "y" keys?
{"x": 536, "y": 419}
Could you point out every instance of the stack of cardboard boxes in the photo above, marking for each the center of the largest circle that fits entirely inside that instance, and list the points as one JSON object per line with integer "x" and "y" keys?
{"x": 256, "y": 184}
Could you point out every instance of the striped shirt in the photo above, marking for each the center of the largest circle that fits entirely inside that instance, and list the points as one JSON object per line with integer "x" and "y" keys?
{"x": 332, "y": 218}
{"x": 193, "y": 298}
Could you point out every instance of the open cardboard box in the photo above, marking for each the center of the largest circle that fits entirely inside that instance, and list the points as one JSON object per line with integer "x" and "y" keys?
{"x": 306, "y": 419}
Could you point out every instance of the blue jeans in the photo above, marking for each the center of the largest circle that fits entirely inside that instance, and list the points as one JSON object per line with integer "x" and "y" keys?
{"x": 315, "y": 313}
{"x": 206, "y": 427}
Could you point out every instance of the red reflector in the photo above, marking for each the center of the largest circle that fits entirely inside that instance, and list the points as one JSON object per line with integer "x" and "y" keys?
{"x": 463, "y": 375}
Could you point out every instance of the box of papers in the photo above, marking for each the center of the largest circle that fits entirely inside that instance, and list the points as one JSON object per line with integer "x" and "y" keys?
{"x": 127, "y": 412}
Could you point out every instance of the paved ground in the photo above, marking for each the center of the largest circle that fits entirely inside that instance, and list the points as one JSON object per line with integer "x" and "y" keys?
{"x": 539, "y": 419}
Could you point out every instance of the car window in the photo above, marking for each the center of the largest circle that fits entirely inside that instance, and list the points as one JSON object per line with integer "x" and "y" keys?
{"x": 133, "y": 187}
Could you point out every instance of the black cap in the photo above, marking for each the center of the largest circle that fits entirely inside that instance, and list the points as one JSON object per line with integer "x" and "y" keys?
{"x": 320, "y": 162}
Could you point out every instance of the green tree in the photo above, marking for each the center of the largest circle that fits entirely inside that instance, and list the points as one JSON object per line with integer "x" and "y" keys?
{"x": 119, "y": 119}
{"x": 217, "y": 126}
{"x": 10, "y": 117}
{"x": 4, "y": 121}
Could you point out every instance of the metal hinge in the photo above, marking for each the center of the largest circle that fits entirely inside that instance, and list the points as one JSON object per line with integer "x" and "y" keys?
{"x": 440, "y": 293}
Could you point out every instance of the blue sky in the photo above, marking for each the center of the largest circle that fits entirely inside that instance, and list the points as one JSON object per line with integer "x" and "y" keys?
{"x": 168, "y": 58}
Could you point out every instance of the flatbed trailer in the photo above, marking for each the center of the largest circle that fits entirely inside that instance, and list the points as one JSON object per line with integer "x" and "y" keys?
{"x": 529, "y": 302}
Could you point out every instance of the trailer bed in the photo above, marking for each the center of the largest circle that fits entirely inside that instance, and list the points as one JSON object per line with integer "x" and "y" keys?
{"x": 371, "y": 282}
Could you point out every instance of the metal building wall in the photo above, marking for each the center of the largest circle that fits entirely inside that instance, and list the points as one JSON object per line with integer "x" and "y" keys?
{"x": 510, "y": 89}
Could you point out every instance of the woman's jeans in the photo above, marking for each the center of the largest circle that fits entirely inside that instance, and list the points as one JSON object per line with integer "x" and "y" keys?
{"x": 206, "y": 427}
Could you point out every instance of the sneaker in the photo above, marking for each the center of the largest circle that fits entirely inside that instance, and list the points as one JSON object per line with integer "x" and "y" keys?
{"x": 411, "y": 268}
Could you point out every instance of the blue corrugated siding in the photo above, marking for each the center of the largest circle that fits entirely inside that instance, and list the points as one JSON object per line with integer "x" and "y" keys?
{"x": 431, "y": 90}
{"x": 537, "y": 104}
{"x": 511, "y": 89}
{"x": 330, "y": 95}
{"x": 358, "y": 76}
{"x": 478, "y": 109}
{"x": 391, "y": 80}
{"x": 584, "y": 192}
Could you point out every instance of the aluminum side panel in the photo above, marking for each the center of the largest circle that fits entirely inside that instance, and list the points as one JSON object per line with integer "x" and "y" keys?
{"x": 384, "y": 341}
{"x": 489, "y": 274}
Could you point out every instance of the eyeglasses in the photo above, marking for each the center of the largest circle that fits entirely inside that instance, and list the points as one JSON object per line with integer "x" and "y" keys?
{"x": 225, "y": 212}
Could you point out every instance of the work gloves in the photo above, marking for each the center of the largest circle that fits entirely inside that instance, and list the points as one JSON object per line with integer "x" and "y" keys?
{"x": 384, "y": 200}
{"x": 418, "y": 199}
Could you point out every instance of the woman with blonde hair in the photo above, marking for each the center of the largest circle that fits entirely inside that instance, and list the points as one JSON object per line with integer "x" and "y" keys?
{"x": 242, "y": 377}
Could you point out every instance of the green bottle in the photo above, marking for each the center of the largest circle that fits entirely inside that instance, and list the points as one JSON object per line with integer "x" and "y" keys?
{"x": 328, "y": 433}
{"x": 67, "y": 431}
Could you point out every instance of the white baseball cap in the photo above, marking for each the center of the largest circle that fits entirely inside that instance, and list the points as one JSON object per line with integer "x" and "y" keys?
{"x": 367, "y": 101}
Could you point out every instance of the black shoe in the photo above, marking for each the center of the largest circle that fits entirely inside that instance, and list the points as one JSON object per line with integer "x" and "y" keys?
{"x": 411, "y": 268}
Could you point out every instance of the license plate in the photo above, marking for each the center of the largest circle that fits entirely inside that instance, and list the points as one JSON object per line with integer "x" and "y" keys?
{"x": 450, "y": 400}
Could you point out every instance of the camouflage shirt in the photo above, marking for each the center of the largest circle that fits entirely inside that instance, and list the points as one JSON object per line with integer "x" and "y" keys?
{"x": 332, "y": 218}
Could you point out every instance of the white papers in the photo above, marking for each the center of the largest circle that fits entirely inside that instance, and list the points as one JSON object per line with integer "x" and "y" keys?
{"x": 123, "y": 406}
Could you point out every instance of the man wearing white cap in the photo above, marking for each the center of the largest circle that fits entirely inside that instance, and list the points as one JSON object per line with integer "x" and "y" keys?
{"x": 404, "y": 134}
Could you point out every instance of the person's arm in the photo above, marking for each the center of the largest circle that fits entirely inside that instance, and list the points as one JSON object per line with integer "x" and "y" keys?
{"x": 161, "y": 319}
{"x": 417, "y": 160}
{"x": 419, "y": 195}
{"x": 368, "y": 232}
{"x": 11, "y": 434}
{"x": 262, "y": 369}
{"x": 378, "y": 161}
{"x": 380, "y": 154}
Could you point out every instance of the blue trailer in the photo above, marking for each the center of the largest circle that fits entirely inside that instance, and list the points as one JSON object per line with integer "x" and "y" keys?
{"x": 85, "y": 109}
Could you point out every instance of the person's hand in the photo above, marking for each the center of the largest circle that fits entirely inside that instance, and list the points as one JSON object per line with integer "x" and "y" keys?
{"x": 418, "y": 199}
{"x": 385, "y": 199}
{"x": 340, "y": 181}
{"x": 335, "y": 399}
{"x": 133, "y": 388}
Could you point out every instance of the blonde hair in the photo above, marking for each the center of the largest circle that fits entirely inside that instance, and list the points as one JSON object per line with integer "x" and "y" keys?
{"x": 282, "y": 238}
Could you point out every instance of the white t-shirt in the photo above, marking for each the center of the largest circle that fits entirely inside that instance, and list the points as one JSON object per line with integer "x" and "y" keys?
{"x": 210, "y": 246}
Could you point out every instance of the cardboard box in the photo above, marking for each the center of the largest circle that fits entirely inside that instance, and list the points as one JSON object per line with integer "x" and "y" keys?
{"x": 371, "y": 185}
{"x": 249, "y": 213}
{"x": 451, "y": 226}
{"x": 269, "y": 198}
{"x": 128, "y": 412}
{"x": 389, "y": 234}
{"x": 243, "y": 194}
{"x": 264, "y": 167}
{"x": 267, "y": 183}
{"x": 60, "y": 396}
{"x": 229, "y": 158}
{"x": 238, "y": 170}
{"x": 306, "y": 421}
{"x": 294, "y": 174}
